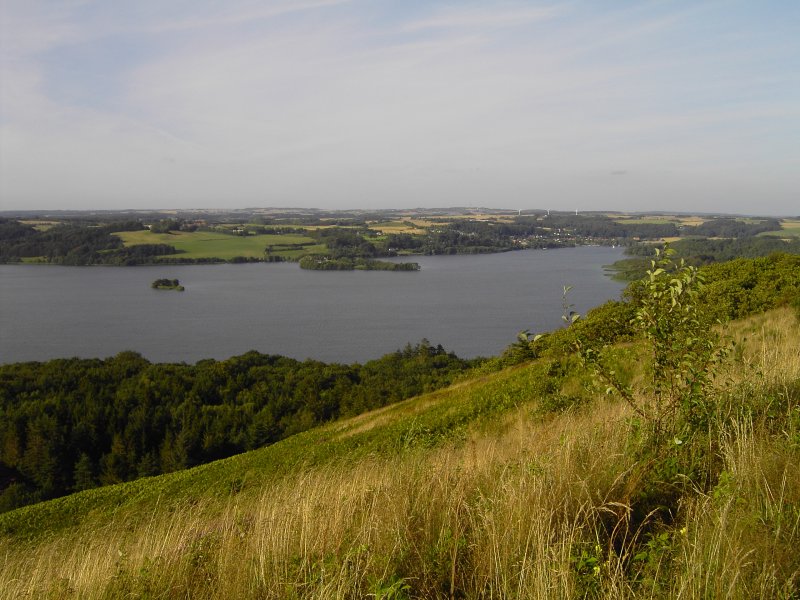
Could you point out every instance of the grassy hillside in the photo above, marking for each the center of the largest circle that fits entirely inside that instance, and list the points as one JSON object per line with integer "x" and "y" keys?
{"x": 525, "y": 483}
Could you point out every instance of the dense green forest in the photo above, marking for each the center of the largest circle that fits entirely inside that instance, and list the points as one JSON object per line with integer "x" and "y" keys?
{"x": 73, "y": 424}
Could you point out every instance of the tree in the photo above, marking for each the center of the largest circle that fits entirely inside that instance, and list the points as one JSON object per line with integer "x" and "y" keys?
{"x": 83, "y": 475}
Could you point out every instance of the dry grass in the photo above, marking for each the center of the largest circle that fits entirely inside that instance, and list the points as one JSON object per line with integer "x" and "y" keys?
{"x": 498, "y": 515}
{"x": 741, "y": 539}
{"x": 767, "y": 346}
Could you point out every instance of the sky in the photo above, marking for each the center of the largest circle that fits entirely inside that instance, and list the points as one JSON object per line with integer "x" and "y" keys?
{"x": 584, "y": 105}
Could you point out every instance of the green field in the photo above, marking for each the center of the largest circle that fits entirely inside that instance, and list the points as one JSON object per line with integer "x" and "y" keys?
{"x": 204, "y": 244}
{"x": 397, "y": 227}
{"x": 791, "y": 228}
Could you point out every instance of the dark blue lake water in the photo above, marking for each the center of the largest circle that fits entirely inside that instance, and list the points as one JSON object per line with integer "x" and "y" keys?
{"x": 472, "y": 305}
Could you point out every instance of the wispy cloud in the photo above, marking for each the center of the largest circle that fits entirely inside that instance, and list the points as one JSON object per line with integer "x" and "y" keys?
{"x": 483, "y": 17}
{"x": 229, "y": 14}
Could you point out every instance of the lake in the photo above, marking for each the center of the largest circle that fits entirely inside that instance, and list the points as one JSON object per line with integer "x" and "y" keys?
{"x": 474, "y": 305}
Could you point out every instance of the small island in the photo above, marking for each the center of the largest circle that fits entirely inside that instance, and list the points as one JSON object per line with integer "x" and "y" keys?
{"x": 167, "y": 284}
{"x": 324, "y": 263}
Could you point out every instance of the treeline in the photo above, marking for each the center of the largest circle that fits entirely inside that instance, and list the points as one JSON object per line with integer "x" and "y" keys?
{"x": 469, "y": 236}
{"x": 602, "y": 227}
{"x": 454, "y": 238}
{"x": 73, "y": 424}
{"x": 466, "y": 236}
{"x": 75, "y": 244}
{"x": 702, "y": 251}
{"x": 346, "y": 240}
{"x": 342, "y": 242}
{"x": 731, "y": 228}
{"x": 530, "y": 231}
{"x": 706, "y": 251}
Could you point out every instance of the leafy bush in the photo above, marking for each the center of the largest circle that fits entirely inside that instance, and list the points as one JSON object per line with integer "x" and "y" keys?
{"x": 682, "y": 346}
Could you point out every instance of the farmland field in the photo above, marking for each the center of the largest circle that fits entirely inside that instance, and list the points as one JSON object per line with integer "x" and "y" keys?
{"x": 657, "y": 219}
{"x": 406, "y": 226}
{"x": 791, "y": 228}
{"x": 646, "y": 220}
{"x": 205, "y": 244}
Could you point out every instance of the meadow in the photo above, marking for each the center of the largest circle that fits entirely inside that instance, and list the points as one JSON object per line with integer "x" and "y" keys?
{"x": 205, "y": 244}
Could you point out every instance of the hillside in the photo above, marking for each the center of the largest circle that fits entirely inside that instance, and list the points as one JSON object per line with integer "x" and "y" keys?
{"x": 525, "y": 482}
{"x": 473, "y": 490}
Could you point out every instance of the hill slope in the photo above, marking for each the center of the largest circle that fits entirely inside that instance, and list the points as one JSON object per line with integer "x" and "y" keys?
{"x": 517, "y": 484}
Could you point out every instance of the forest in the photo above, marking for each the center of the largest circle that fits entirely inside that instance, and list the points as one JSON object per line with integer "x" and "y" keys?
{"x": 73, "y": 424}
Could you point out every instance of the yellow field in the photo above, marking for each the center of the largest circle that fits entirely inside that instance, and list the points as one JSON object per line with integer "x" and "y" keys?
{"x": 40, "y": 225}
{"x": 791, "y": 226}
{"x": 658, "y": 219}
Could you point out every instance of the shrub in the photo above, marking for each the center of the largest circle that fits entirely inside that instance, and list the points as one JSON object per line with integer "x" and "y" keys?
{"x": 682, "y": 346}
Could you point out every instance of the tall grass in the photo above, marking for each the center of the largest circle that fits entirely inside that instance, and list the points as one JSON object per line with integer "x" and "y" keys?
{"x": 522, "y": 506}
{"x": 496, "y": 515}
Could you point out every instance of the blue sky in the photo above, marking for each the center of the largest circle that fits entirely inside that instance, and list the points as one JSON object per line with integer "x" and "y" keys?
{"x": 690, "y": 106}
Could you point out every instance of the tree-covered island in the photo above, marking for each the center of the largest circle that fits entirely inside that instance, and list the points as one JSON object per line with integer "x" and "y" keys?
{"x": 167, "y": 284}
